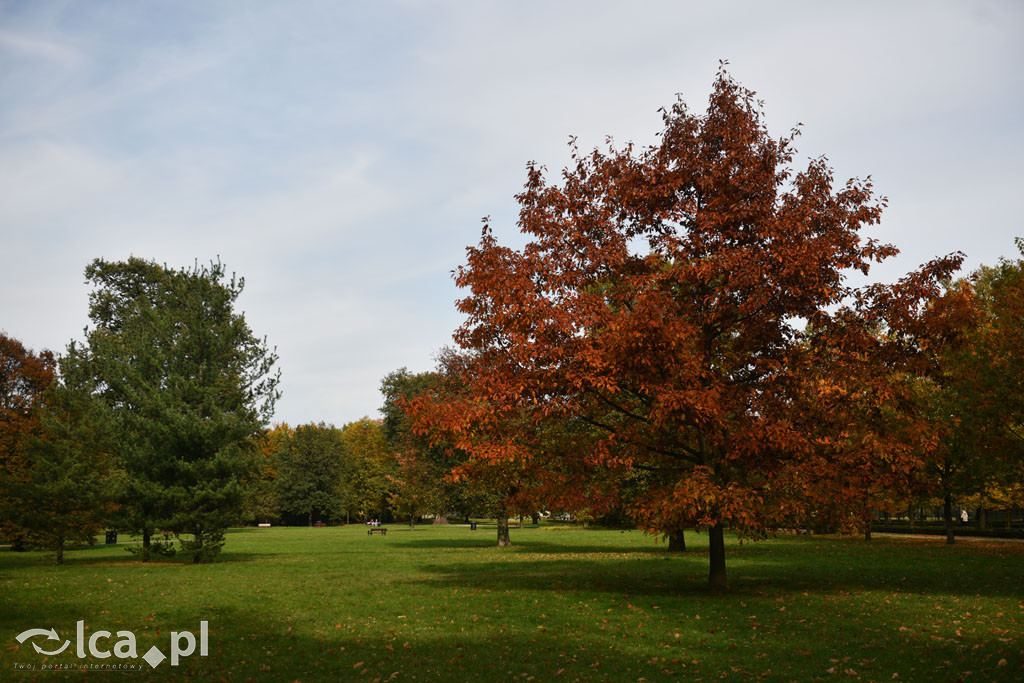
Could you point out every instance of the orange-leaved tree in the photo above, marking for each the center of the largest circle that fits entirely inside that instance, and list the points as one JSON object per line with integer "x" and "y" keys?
{"x": 511, "y": 463}
{"x": 422, "y": 482}
{"x": 977, "y": 398}
{"x": 661, "y": 300}
{"x": 262, "y": 501}
{"x": 866, "y": 381}
{"x": 24, "y": 379}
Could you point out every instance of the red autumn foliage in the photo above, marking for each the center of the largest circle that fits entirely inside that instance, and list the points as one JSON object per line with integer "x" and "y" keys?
{"x": 24, "y": 378}
{"x": 657, "y": 317}
{"x": 512, "y": 461}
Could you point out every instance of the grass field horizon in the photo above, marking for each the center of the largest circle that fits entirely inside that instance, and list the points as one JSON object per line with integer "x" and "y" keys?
{"x": 563, "y": 603}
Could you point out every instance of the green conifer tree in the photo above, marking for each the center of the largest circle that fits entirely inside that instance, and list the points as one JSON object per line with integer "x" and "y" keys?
{"x": 188, "y": 388}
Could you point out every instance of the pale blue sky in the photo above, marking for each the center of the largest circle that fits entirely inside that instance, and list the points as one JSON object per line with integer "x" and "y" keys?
{"x": 340, "y": 155}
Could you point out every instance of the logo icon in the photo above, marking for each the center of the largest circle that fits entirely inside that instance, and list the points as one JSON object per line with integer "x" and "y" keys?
{"x": 50, "y": 635}
{"x": 183, "y": 644}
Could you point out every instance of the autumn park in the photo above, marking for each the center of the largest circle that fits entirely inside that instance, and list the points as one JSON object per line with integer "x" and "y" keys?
{"x": 680, "y": 434}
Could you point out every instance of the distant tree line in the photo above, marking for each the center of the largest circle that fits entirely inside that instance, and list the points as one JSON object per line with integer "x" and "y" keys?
{"x": 321, "y": 473}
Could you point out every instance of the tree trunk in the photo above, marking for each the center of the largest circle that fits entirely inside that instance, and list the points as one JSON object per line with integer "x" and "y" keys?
{"x": 716, "y": 577}
{"x": 869, "y": 516}
{"x": 144, "y": 555}
{"x": 60, "y": 550}
{"x": 947, "y": 516}
{"x": 520, "y": 521}
{"x": 412, "y": 521}
{"x": 676, "y": 542}
{"x": 197, "y": 534}
{"x": 310, "y": 518}
{"x": 503, "y": 537}
{"x": 910, "y": 518}
{"x": 981, "y": 519}
{"x": 535, "y": 518}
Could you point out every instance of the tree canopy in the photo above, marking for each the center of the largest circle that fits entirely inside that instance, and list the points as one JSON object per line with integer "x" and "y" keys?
{"x": 25, "y": 378}
{"x": 665, "y": 298}
{"x": 186, "y": 384}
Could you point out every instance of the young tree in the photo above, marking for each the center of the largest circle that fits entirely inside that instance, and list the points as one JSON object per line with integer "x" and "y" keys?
{"x": 660, "y": 299}
{"x": 310, "y": 472}
{"x": 861, "y": 402}
{"x": 66, "y": 494}
{"x": 263, "y": 503}
{"x": 977, "y": 396}
{"x": 187, "y": 385}
{"x": 992, "y": 365}
{"x": 509, "y": 464}
{"x": 369, "y": 471}
{"x": 24, "y": 380}
{"x": 965, "y": 450}
{"x": 423, "y": 482}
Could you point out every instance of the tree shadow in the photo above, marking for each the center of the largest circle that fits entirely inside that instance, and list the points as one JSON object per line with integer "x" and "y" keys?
{"x": 449, "y": 543}
{"x": 521, "y": 546}
{"x": 833, "y": 566}
{"x": 250, "y": 644}
{"x": 89, "y": 556}
{"x": 573, "y": 613}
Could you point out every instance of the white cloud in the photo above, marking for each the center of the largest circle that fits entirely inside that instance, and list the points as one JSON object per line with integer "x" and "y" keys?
{"x": 46, "y": 180}
{"x": 340, "y": 156}
{"x": 31, "y": 46}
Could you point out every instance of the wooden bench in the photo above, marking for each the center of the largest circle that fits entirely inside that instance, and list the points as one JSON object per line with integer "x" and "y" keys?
{"x": 382, "y": 529}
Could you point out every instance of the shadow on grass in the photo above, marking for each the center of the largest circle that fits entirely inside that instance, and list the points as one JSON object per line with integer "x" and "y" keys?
{"x": 250, "y": 644}
{"x": 531, "y": 545}
{"x": 225, "y": 557}
{"x": 87, "y": 556}
{"x": 545, "y": 609}
{"x": 822, "y": 565}
{"x": 452, "y": 543}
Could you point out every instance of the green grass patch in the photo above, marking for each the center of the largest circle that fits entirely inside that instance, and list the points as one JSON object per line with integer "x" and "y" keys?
{"x": 442, "y": 603}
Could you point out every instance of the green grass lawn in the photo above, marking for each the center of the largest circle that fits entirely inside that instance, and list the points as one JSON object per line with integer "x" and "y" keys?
{"x": 442, "y": 603}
